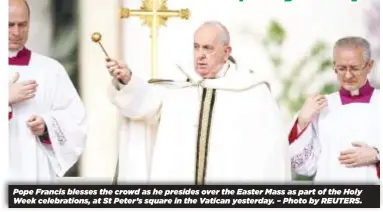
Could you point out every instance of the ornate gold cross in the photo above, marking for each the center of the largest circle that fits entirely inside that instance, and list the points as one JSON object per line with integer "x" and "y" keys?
{"x": 154, "y": 13}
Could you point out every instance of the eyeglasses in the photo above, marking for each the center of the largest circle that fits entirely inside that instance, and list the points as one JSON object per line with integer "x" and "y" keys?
{"x": 355, "y": 70}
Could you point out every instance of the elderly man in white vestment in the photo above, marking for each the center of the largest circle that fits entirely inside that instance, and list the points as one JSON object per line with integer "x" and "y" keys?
{"x": 335, "y": 138}
{"x": 46, "y": 116}
{"x": 220, "y": 124}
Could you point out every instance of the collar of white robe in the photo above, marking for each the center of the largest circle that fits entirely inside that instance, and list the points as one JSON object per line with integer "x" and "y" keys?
{"x": 231, "y": 77}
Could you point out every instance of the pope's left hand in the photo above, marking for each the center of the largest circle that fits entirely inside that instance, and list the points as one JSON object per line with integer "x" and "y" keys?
{"x": 361, "y": 155}
{"x": 37, "y": 125}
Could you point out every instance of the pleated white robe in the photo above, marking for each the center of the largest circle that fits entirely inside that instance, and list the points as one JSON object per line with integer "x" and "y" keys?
{"x": 58, "y": 103}
{"x": 316, "y": 151}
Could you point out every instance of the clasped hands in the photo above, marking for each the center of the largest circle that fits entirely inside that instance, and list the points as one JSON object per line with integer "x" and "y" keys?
{"x": 360, "y": 155}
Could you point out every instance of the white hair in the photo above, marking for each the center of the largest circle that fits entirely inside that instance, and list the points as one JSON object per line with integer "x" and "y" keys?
{"x": 354, "y": 42}
{"x": 224, "y": 35}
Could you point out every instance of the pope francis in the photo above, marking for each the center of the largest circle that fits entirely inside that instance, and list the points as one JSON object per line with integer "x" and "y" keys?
{"x": 220, "y": 124}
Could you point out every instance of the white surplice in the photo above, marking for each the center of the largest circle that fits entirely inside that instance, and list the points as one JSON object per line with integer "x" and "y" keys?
{"x": 58, "y": 103}
{"x": 246, "y": 142}
{"x": 317, "y": 150}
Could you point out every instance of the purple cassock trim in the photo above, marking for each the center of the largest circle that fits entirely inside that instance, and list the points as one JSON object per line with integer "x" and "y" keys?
{"x": 22, "y": 58}
{"x": 365, "y": 93}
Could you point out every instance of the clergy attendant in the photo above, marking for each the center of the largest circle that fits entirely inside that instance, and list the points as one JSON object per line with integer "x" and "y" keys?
{"x": 335, "y": 138}
{"x": 46, "y": 116}
{"x": 219, "y": 124}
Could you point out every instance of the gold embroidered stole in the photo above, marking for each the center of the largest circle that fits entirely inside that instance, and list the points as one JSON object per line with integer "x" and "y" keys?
{"x": 206, "y": 111}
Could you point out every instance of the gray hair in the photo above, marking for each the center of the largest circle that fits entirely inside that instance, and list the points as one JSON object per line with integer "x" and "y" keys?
{"x": 354, "y": 42}
{"x": 224, "y": 36}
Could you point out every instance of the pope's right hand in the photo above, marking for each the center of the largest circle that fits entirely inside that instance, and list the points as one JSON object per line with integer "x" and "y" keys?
{"x": 20, "y": 91}
{"x": 118, "y": 70}
{"x": 311, "y": 109}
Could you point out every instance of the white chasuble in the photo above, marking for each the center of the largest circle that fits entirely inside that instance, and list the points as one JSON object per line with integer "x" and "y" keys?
{"x": 225, "y": 130}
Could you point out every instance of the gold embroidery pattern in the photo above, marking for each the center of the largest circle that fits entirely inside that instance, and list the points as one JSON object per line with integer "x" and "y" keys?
{"x": 203, "y": 136}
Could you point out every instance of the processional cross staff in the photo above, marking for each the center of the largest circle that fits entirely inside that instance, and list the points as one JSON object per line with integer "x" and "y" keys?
{"x": 153, "y": 13}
